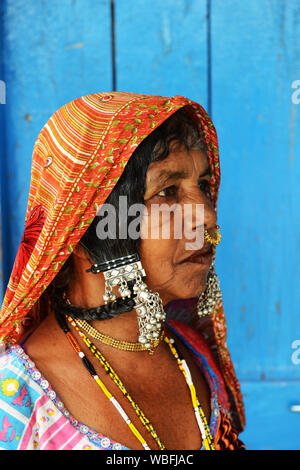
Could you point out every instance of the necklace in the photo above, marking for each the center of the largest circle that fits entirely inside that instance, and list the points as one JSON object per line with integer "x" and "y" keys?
{"x": 89, "y": 366}
{"x": 115, "y": 343}
{"x": 110, "y": 371}
{"x": 200, "y": 416}
{"x": 199, "y": 413}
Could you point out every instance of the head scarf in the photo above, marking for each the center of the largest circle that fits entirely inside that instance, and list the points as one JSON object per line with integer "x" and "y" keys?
{"x": 78, "y": 157}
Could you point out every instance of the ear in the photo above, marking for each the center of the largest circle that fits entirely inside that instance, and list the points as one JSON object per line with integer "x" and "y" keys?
{"x": 81, "y": 253}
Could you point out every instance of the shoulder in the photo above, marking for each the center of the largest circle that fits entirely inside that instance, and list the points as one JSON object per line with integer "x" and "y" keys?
{"x": 18, "y": 394}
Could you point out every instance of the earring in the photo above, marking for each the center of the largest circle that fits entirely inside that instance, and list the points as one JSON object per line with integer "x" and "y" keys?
{"x": 148, "y": 304}
{"x": 210, "y": 296}
{"x": 150, "y": 312}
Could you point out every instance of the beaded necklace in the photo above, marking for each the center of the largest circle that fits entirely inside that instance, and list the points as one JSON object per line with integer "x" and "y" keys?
{"x": 108, "y": 368}
{"x": 199, "y": 414}
{"x": 89, "y": 366}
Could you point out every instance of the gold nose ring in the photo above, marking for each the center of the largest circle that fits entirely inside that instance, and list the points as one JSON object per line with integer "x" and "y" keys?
{"x": 215, "y": 240}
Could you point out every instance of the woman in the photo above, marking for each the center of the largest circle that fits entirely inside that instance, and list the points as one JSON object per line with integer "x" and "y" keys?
{"x": 93, "y": 361}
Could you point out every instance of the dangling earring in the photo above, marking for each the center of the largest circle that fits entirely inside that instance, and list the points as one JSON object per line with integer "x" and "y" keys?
{"x": 212, "y": 293}
{"x": 148, "y": 304}
{"x": 210, "y": 296}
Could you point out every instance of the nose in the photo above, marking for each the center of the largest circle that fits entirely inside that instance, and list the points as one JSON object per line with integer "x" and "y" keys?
{"x": 197, "y": 199}
{"x": 210, "y": 217}
{"x": 201, "y": 216}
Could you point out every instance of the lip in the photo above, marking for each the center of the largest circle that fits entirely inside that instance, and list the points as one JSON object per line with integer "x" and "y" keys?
{"x": 203, "y": 257}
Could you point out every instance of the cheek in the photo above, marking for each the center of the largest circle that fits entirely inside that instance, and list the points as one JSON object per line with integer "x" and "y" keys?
{"x": 171, "y": 281}
{"x": 158, "y": 245}
{"x": 157, "y": 255}
{"x": 160, "y": 223}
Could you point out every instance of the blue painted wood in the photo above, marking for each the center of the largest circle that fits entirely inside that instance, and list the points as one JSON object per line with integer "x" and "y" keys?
{"x": 255, "y": 59}
{"x": 271, "y": 423}
{"x": 2, "y": 168}
{"x": 161, "y": 47}
{"x": 54, "y": 52}
{"x": 258, "y": 127}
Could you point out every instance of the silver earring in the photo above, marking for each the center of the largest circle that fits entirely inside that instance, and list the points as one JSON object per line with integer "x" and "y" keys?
{"x": 148, "y": 304}
{"x": 210, "y": 296}
{"x": 150, "y": 313}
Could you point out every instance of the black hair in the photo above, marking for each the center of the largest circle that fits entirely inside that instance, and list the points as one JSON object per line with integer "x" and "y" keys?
{"x": 177, "y": 129}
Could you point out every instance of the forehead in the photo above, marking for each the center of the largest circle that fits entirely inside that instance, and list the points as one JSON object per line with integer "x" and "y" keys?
{"x": 179, "y": 160}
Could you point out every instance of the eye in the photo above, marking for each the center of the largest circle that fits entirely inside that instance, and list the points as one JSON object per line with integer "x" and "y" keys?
{"x": 204, "y": 186}
{"x": 167, "y": 192}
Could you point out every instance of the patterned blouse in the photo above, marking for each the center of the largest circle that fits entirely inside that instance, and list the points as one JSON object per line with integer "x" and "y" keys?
{"x": 32, "y": 416}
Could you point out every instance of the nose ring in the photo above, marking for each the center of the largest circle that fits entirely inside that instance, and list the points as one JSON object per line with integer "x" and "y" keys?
{"x": 215, "y": 240}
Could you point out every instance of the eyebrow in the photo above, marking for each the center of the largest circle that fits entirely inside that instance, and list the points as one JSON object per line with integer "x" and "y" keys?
{"x": 168, "y": 176}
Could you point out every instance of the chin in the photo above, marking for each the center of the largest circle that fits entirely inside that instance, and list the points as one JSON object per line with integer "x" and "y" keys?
{"x": 191, "y": 293}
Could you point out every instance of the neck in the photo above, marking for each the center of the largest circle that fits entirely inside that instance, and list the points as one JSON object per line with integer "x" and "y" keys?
{"x": 123, "y": 327}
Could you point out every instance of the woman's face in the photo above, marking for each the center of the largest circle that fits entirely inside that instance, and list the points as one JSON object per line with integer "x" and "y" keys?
{"x": 171, "y": 259}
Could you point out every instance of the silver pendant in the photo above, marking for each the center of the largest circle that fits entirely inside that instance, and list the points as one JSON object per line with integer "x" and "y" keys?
{"x": 148, "y": 304}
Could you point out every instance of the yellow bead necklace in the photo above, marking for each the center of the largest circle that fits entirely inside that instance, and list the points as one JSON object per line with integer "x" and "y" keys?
{"x": 199, "y": 414}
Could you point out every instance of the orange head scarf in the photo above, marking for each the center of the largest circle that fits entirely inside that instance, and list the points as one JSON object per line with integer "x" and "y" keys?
{"x": 78, "y": 158}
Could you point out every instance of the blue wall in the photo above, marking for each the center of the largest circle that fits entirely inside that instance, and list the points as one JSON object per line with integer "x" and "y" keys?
{"x": 237, "y": 58}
